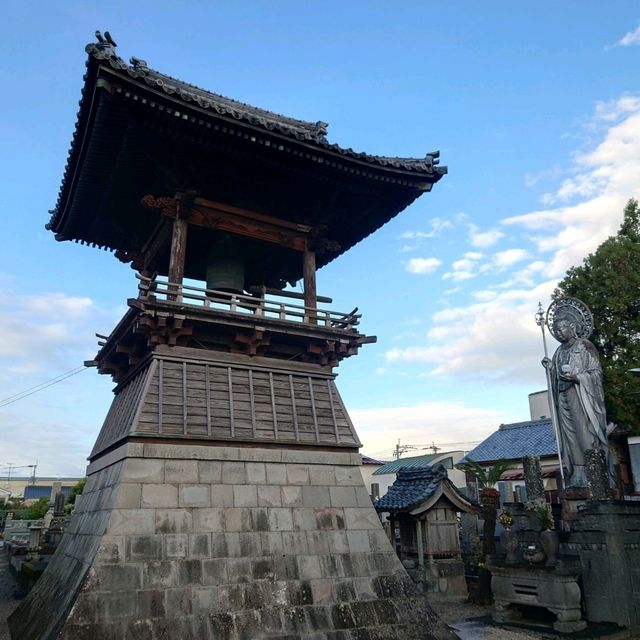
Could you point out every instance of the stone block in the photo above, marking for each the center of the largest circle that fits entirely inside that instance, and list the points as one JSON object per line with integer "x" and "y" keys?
{"x": 189, "y": 572}
{"x": 214, "y": 571}
{"x": 263, "y": 568}
{"x": 199, "y": 545}
{"x": 343, "y": 496}
{"x": 361, "y": 518}
{"x": 292, "y": 496}
{"x": 379, "y": 541}
{"x": 322, "y": 590}
{"x": 210, "y": 471}
{"x": 358, "y": 541}
{"x": 295, "y": 542}
{"x": 222, "y": 495}
{"x": 363, "y": 499}
{"x": 209, "y": 520}
{"x": 270, "y": 496}
{"x": 143, "y": 470}
{"x": 322, "y": 475}
{"x": 297, "y": 474}
{"x": 128, "y": 496}
{"x": 309, "y": 567}
{"x": 160, "y": 575}
{"x": 329, "y": 519}
{"x": 234, "y": 473}
{"x": 304, "y": 519}
{"x": 117, "y": 577}
{"x": 245, "y": 495}
{"x": 111, "y": 549}
{"x": 315, "y": 496}
{"x": 131, "y": 521}
{"x": 271, "y": 542}
{"x": 337, "y": 541}
{"x": 348, "y": 476}
{"x": 256, "y": 473}
{"x": 178, "y": 602}
{"x": 116, "y": 605}
{"x": 176, "y": 545}
{"x": 210, "y": 600}
{"x": 280, "y": 519}
{"x": 150, "y": 603}
{"x": 159, "y": 495}
{"x": 194, "y": 495}
{"x": 286, "y": 568}
{"x": 239, "y": 569}
{"x": 276, "y": 473}
{"x": 179, "y": 471}
{"x": 250, "y": 544}
{"x": 173, "y": 521}
{"x": 146, "y": 547}
{"x": 238, "y": 519}
{"x": 251, "y": 454}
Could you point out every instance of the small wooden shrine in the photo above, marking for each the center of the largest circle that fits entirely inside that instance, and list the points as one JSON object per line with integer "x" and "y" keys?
{"x": 224, "y": 494}
{"x": 423, "y": 505}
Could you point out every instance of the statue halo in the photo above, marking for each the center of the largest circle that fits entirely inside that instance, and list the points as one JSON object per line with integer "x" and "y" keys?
{"x": 570, "y": 309}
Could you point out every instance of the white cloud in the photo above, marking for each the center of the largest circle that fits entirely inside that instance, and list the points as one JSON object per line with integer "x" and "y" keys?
{"x": 465, "y": 268}
{"x": 484, "y": 239}
{"x": 453, "y": 425}
{"x": 495, "y": 336}
{"x": 509, "y": 257}
{"x": 41, "y": 337}
{"x": 423, "y": 266}
{"x": 437, "y": 226}
{"x": 630, "y": 38}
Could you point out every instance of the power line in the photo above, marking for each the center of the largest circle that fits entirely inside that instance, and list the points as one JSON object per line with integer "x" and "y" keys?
{"x": 40, "y": 387}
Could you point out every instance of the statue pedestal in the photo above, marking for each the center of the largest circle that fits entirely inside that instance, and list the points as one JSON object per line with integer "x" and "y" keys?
{"x": 554, "y": 589}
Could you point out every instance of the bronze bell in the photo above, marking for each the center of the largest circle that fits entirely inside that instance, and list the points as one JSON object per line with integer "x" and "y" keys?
{"x": 225, "y": 266}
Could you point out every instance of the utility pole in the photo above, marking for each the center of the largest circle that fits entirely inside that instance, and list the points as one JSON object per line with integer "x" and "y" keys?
{"x": 434, "y": 447}
{"x": 401, "y": 448}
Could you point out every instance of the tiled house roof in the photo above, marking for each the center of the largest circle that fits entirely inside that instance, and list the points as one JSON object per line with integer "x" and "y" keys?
{"x": 415, "y": 462}
{"x": 516, "y": 440}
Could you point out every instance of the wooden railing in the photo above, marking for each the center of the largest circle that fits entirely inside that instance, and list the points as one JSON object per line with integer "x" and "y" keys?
{"x": 265, "y": 305}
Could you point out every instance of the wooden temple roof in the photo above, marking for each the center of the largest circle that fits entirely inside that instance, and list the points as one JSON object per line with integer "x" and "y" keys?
{"x": 140, "y": 132}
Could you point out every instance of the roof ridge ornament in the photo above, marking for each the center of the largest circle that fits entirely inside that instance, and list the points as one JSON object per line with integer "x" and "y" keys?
{"x": 105, "y": 47}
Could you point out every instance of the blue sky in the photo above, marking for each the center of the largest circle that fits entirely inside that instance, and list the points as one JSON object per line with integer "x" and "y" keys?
{"x": 535, "y": 108}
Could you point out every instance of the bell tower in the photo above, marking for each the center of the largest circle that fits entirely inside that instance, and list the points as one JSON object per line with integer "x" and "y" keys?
{"x": 224, "y": 497}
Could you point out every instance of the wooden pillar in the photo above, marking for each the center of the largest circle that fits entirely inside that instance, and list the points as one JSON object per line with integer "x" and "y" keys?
{"x": 309, "y": 278}
{"x": 420, "y": 544}
{"x": 177, "y": 257}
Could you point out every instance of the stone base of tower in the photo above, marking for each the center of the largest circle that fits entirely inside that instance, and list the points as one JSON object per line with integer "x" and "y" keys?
{"x": 221, "y": 542}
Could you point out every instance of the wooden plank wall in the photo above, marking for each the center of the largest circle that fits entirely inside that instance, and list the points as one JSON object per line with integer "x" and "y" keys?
{"x": 210, "y": 400}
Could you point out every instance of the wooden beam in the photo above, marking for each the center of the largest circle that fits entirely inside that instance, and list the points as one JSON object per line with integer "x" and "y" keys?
{"x": 309, "y": 278}
{"x": 178, "y": 254}
{"x": 266, "y": 231}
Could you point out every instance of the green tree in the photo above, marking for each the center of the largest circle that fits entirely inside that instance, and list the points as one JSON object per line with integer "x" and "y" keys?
{"x": 608, "y": 281}
{"x": 76, "y": 490}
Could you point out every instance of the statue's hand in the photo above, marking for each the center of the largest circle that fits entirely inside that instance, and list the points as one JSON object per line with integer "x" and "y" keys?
{"x": 568, "y": 377}
{"x": 546, "y": 362}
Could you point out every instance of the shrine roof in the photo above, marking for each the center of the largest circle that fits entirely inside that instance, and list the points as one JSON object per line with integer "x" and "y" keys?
{"x": 414, "y": 487}
{"x": 133, "y": 121}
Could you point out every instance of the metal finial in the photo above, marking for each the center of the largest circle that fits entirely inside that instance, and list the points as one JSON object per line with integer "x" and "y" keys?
{"x": 540, "y": 315}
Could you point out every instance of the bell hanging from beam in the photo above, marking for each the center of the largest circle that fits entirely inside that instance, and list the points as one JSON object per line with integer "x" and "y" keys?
{"x": 225, "y": 266}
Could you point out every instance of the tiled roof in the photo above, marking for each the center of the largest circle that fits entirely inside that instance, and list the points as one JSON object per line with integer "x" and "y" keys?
{"x": 368, "y": 460}
{"x": 413, "y": 487}
{"x": 516, "y": 440}
{"x": 415, "y": 462}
